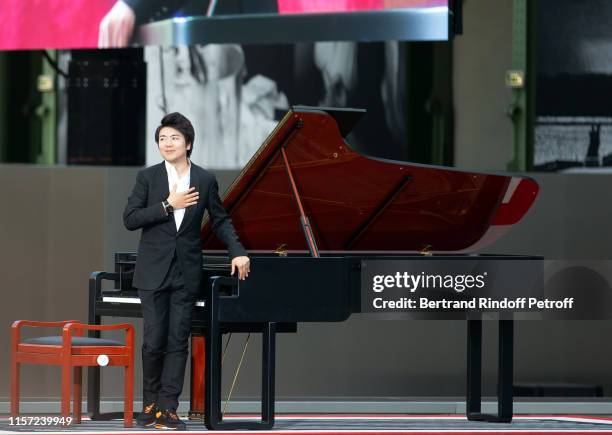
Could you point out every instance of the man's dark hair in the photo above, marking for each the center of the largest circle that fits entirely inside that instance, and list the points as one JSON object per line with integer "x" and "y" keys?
{"x": 180, "y": 123}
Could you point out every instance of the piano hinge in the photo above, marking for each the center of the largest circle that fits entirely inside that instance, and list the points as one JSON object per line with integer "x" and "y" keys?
{"x": 427, "y": 251}
{"x": 281, "y": 251}
{"x": 304, "y": 222}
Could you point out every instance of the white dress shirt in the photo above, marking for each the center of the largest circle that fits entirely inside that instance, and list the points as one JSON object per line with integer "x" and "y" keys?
{"x": 182, "y": 184}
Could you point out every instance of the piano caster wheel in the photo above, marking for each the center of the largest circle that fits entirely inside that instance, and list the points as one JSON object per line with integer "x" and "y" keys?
{"x": 194, "y": 415}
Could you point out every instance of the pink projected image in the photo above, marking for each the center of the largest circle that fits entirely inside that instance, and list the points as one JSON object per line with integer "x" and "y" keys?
{"x": 29, "y": 24}
{"x": 314, "y": 6}
{"x": 72, "y": 24}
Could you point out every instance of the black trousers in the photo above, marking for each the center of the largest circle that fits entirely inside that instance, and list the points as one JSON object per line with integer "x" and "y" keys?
{"x": 167, "y": 315}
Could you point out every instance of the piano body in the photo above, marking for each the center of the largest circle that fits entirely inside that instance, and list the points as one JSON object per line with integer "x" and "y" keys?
{"x": 307, "y": 206}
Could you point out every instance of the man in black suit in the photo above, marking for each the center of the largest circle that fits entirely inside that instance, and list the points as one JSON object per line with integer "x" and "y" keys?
{"x": 168, "y": 203}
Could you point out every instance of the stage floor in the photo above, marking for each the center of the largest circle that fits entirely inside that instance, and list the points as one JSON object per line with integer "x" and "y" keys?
{"x": 323, "y": 424}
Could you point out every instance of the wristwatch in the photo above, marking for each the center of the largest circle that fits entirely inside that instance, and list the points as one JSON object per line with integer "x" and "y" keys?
{"x": 167, "y": 207}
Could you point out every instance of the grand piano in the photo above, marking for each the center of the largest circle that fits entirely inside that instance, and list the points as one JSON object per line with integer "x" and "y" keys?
{"x": 307, "y": 205}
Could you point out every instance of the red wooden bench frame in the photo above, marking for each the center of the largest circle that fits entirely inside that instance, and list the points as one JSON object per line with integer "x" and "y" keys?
{"x": 73, "y": 357}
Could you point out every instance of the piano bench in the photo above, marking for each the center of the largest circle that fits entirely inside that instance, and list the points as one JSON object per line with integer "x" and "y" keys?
{"x": 71, "y": 351}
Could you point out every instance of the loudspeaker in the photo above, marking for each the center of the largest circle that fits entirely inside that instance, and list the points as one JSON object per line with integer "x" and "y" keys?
{"x": 107, "y": 107}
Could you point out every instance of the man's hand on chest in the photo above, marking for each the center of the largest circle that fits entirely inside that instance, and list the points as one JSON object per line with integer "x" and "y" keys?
{"x": 179, "y": 200}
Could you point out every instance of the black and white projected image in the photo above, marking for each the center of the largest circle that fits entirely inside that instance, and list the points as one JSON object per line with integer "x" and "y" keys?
{"x": 235, "y": 94}
{"x": 573, "y": 125}
{"x": 232, "y": 114}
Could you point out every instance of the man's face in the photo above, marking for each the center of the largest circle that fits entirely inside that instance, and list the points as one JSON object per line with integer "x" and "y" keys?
{"x": 172, "y": 145}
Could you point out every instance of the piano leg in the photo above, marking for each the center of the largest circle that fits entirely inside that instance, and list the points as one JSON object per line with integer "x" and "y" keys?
{"x": 267, "y": 375}
{"x": 474, "y": 368}
{"x": 93, "y": 372}
{"x": 213, "y": 418}
{"x": 93, "y": 392}
{"x": 504, "y": 374}
{"x": 505, "y": 382}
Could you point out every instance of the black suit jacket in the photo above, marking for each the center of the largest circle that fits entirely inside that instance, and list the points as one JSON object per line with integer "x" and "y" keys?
{"x": 160, "y": 239}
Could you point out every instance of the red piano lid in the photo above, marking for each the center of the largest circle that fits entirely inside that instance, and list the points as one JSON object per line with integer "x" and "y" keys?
{"x": 360, "y": 203}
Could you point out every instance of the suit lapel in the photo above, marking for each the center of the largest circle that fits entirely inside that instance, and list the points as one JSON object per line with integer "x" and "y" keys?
{"x": 190, "y": 212}
{"x": 163, "y": 179}
{"x": 165, "y": 189}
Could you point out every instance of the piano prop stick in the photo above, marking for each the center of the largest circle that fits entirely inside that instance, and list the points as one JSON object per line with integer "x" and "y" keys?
{"x": 308, "y": 233}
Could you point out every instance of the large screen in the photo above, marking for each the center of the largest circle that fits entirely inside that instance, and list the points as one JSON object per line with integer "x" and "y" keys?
{"x": 70, "y": 24}
{"x": 573, "y": 122}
